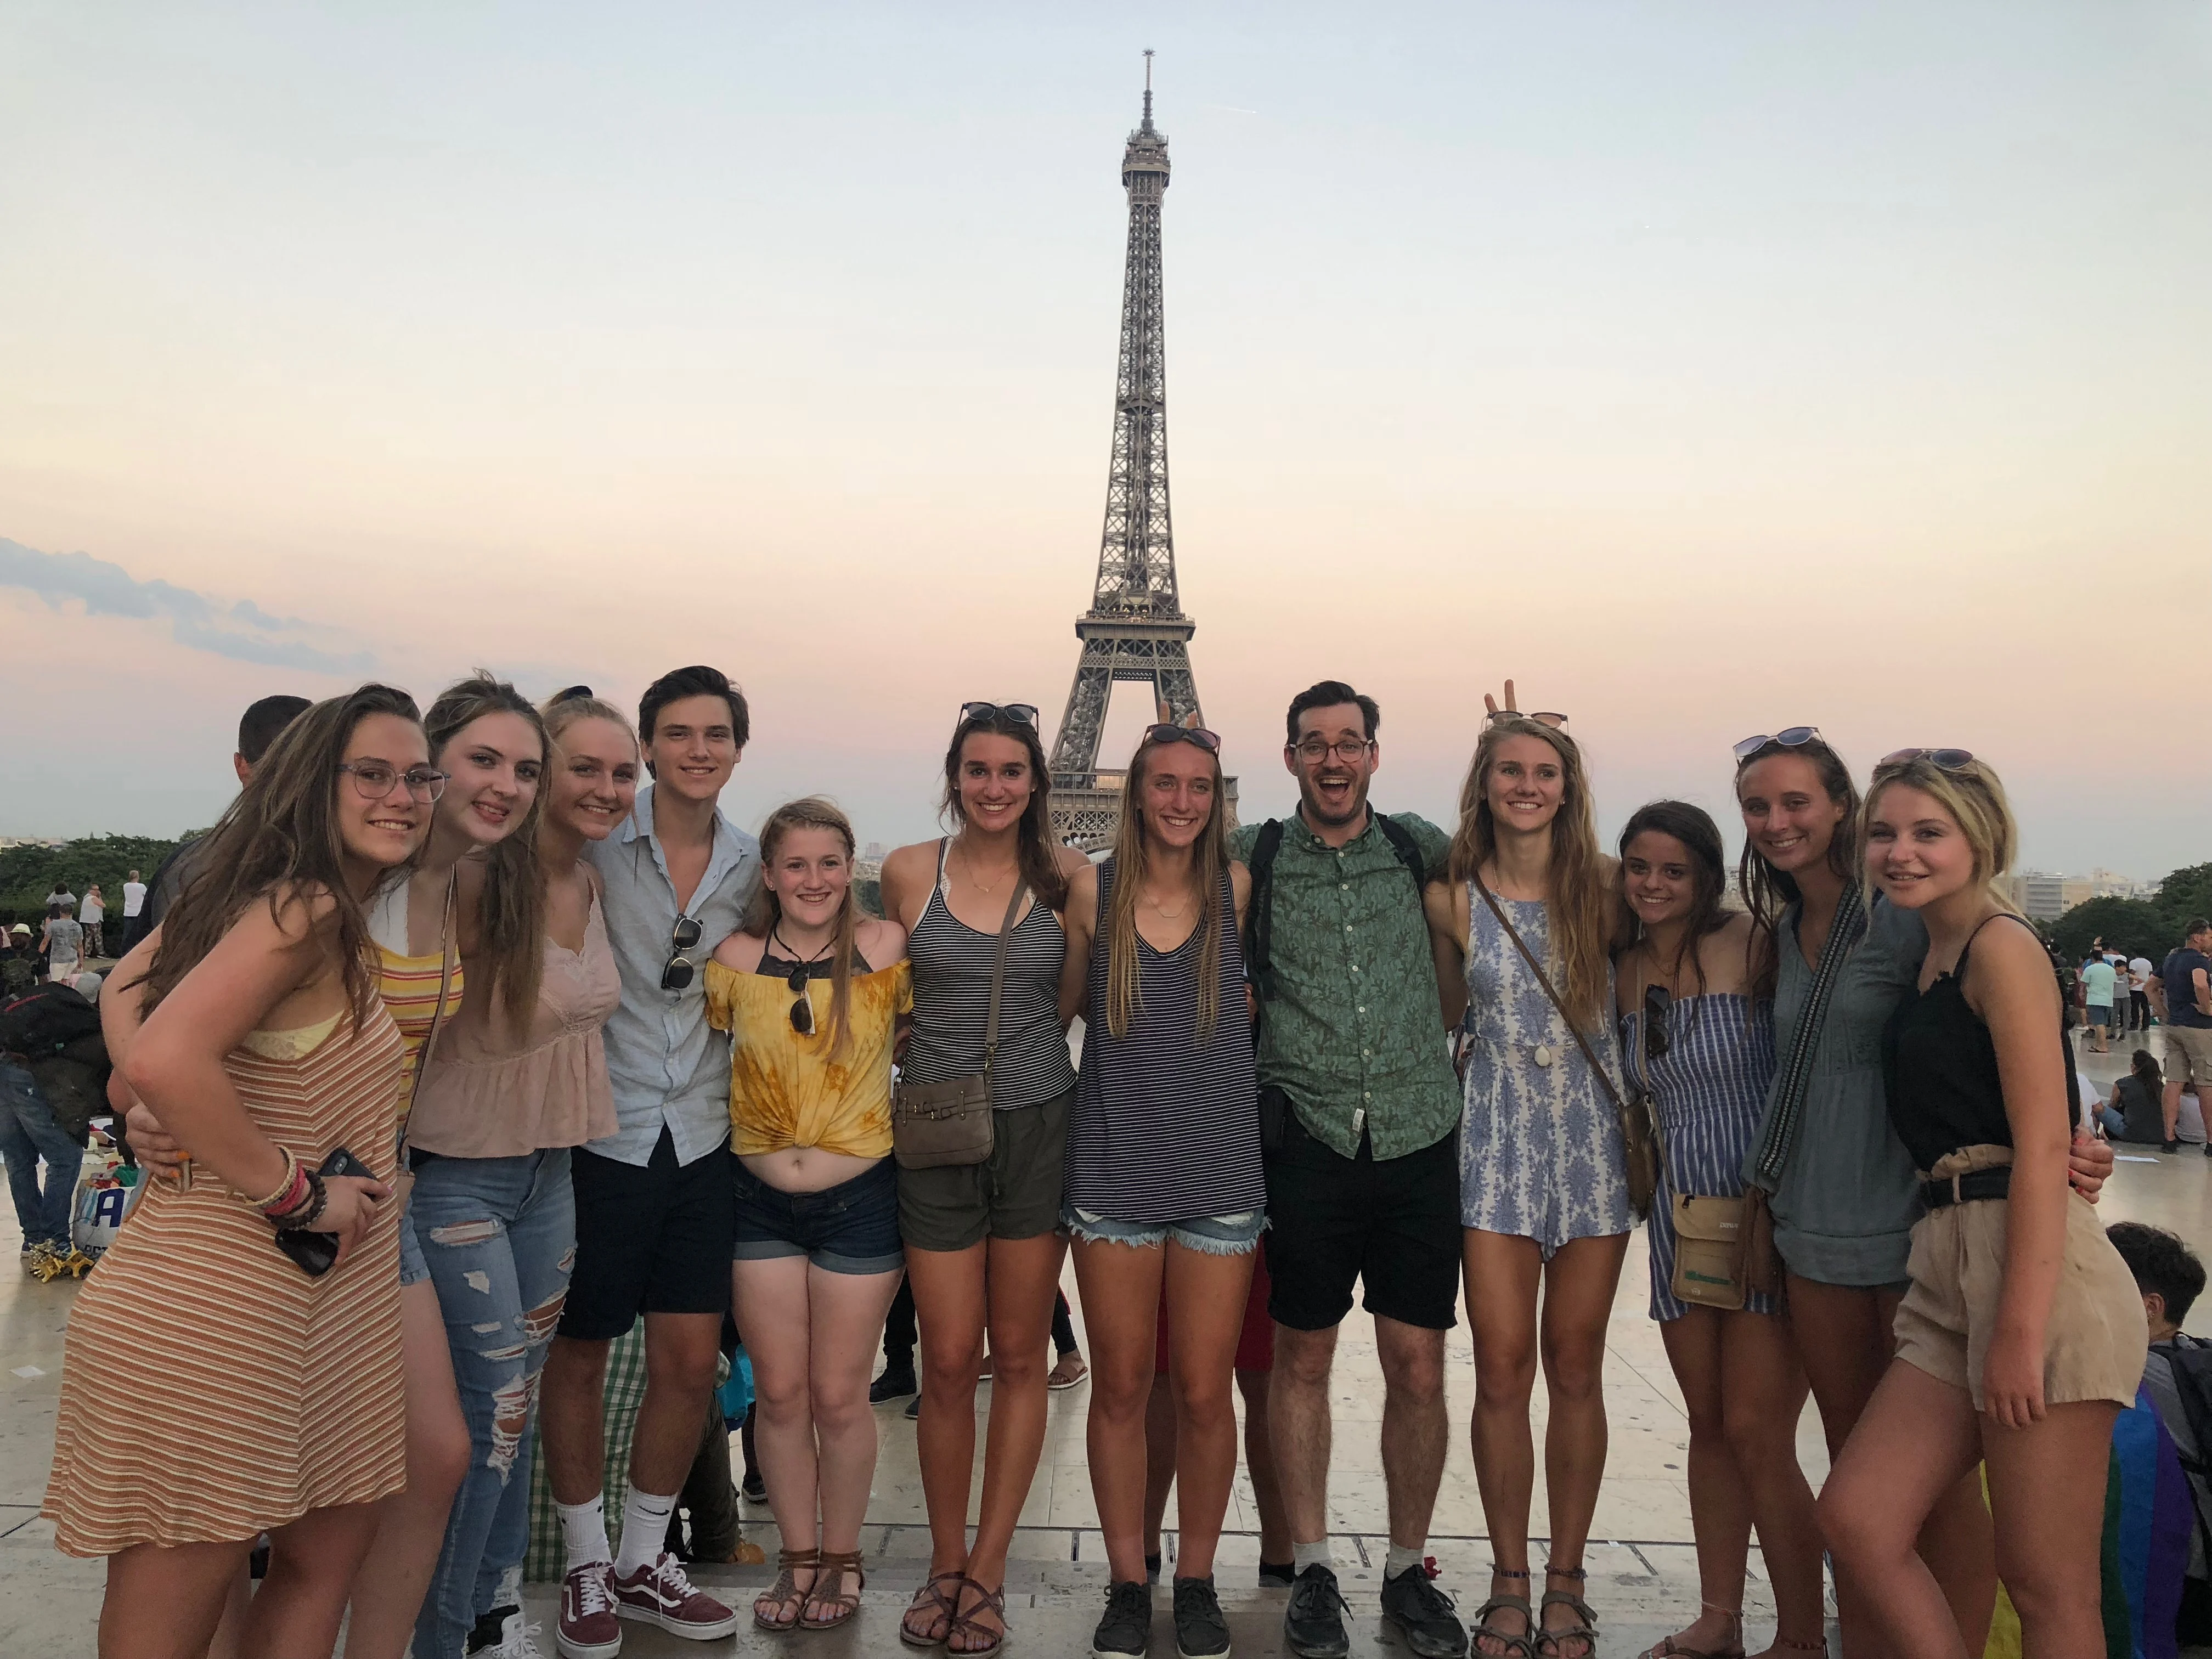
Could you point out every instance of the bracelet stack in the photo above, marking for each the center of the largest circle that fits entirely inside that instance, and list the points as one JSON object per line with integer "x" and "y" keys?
{"x": 299, "y": 1202}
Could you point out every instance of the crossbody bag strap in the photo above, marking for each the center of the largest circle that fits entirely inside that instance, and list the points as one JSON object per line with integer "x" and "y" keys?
{"x": 449, "y": 937}
{"x": 1543, "y": 979}
{"x": 1798, "y": 1069}
{"x": 999, "y": 976}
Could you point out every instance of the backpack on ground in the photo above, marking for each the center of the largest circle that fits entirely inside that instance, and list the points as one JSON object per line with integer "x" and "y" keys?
{"x": 46, "y": 1020}
{"x": 2191, "y": 1363}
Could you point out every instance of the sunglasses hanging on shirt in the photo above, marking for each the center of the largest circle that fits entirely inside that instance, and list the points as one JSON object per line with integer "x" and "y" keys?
{"x": 677, "y": 974}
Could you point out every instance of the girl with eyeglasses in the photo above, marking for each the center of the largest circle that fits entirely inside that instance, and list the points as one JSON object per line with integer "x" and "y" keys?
{"x": 1166, "y": 1195}
{"x": 1699, "y": 1039}
{"x": 816, "y": 996}
{"x": 2020, "y": 1335}
{"x": 249, "y": 1311}
{"x": 517, "y": 1077}
{"x": 1543, "y": 1164}
{"x": 983, "y": 1249}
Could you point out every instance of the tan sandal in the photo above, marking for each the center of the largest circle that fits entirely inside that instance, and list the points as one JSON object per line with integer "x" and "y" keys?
{"x": 1584, "y": 1631}
{"x": 1519, "y": 1646}
{"x": 1672, "y": 1647}
{"x": 786, "y": 1592}
{"x": 831, "y": 1570}
{"x": 993, "y": 1602}
{"x": 932, "y": 1599}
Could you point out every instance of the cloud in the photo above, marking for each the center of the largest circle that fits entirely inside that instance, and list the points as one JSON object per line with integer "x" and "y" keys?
{"x": 241, "y": 630}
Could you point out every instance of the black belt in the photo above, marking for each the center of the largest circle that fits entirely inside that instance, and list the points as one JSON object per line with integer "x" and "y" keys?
{"x": 1973, "y": 1185}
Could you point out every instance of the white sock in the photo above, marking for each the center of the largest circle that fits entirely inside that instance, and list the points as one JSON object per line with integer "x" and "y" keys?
{"x": 584, "y": 1532}
{"x": 645, "y": 1531}
{"x": 1402, "y": 1557}
{"x": 1306, "y": 1555}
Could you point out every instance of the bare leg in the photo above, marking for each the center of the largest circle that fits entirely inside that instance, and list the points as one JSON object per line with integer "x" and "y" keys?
{"x": 1416, "y": 1429}
{"x": 771, "y": 1305}
{"x": 845, "y": 1315}
{"x": 1120, "y": 1287}
{"x": 410, "y": 1525}
{"x": 164, "y": 1603}
{"x": 1503, "y": 1272}
{"x": 1159, "y": 1459}
{"x": 2047, "y": 1489}
{"x": 1763, "y": 1394}
{"x": 1207, "y": 1295}
{"x": 1298, "y": 1418}
{"x": 681, "y": 1351}
{"x": 572, "y": 1416}
{"x": 312, "y": 1564}
{"x": 950, "y": 1305}
{"x": 1259, "y": 1464}
{"x": 1579, "y": 1282}
{"x": 1720, "y": 1499}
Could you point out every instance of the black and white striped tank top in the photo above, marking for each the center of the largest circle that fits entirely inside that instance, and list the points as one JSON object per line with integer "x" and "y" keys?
{"x": 952, "y": 1003}
{"x": 1166, "y": 1124}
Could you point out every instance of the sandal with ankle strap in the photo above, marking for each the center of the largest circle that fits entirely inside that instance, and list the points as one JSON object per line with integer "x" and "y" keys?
{"x": 932, "y": 1599}
{"x": 830, "y": 1569}
{"x": 1585, "y": 1630}
{"x": 1672, "y": 1647}
{"x": 993, "y": 1601}
{"x": 1522, "y": 1646}
{"x": 785, "y": 1592}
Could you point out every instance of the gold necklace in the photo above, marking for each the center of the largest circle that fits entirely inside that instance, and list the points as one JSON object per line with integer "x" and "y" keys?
{"x": 969, "y": 860}
{"x": 1164, "y": 913}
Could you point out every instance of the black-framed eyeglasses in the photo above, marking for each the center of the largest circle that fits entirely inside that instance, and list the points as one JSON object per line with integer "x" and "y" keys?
{"x": 1657, "y": 1001}
{"x": 677, "y": 974}
{"x": 373, "y": 780}
{"x": 1165, "y": 732}
{"x": 802, "y": 1010}
{"x": 1542, "y": 717}
{"x": 1025, "y": 713}
{"x": 1314, "y": 750}
{"x": 1790, "y": 736}
{"x": 1950, "y": 760}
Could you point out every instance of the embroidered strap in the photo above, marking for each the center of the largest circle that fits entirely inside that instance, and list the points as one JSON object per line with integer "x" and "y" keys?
{"x": 1782, "y": 1123}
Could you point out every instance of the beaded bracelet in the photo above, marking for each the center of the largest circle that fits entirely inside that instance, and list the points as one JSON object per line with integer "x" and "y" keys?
{"x": 287, "y": 1192}
{"x": 307, "y": 1213}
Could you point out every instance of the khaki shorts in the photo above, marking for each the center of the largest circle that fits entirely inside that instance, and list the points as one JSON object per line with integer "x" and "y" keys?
{"x": 2189, "y": 1056}
{"x": 2095, "y": 1343}
{"x": 1013, "y": 1193}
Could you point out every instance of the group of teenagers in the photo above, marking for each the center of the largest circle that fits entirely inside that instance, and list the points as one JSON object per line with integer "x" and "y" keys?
{"x": 472, "y": 1036}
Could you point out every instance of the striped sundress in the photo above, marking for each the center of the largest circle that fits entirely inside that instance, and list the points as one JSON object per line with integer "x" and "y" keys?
{"x": 256, "y": 1392}
{"x": 1710, "y": 1090}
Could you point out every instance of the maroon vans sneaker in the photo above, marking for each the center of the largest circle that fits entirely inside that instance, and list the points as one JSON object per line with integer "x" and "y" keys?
{"x": 661, "y": 1594}
{"x": 588, "y": 1628}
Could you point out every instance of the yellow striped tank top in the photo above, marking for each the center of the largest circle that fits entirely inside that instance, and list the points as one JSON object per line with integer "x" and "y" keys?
{"x": 407, "y": 984}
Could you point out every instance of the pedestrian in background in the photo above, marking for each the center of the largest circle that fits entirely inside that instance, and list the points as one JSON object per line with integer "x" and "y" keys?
{"x": 91, "y": 913}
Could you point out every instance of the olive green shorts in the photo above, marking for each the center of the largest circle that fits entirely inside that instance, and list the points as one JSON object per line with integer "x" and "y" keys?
{"x": 1013, "y": 1193}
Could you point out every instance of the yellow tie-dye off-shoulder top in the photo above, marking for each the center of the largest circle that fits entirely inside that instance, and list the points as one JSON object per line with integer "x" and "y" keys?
{"x": 787, "y": 1090}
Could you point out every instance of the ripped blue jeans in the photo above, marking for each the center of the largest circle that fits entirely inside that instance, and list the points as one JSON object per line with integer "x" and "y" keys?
{"x": 500, "y": 1236}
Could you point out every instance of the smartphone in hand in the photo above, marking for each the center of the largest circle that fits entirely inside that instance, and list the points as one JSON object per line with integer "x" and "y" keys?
{"x": 316, "y": 1252}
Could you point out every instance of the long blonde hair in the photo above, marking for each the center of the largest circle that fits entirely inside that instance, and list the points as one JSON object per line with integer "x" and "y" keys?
{"x": 764, "y": 914}
{"x": 1584, "y": 907}
{"x": 1132, "y": 863}
{"x": 1974, "y": 795}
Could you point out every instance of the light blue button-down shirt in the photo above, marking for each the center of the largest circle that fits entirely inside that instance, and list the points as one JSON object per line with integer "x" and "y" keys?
{"x": 669, "y": 1068}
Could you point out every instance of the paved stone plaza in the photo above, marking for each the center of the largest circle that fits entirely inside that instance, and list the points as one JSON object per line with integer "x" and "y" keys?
{"x": 1642, "y": 1576}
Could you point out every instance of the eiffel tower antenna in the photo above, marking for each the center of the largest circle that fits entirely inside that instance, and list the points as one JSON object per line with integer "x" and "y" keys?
{"x": 1135, "y": 628}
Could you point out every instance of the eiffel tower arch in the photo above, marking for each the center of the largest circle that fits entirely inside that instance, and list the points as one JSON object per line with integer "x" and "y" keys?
{"x": 1135, "y": 630}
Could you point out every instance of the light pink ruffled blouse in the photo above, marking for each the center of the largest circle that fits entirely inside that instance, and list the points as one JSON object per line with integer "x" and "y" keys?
{"x": 487, "y": 1096}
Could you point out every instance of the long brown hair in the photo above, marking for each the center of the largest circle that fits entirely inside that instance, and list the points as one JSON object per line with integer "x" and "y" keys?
{"x": 764, "y": 911}
{"x": 280, "y": 838}
{"x": 1038, "y": 851}
{"x": 1132, "y": 862}
{"x": 1583, "y": 908}
{"x": 1767, "y": 891}
{"x": 1701, "y": 838}
{"x": 511, "y": 914}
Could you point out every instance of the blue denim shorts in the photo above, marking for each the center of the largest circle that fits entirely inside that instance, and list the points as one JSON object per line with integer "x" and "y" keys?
{"x": 413, "y": 1269}
{"x": 1209, "y": 1235}
{"x": 850, "y": 1228}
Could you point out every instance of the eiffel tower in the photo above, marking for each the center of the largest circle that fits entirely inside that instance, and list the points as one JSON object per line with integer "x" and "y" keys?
{"x": 1135, "y": 628}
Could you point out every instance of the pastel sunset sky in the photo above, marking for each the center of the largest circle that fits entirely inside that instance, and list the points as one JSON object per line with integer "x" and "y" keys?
{"x": 1707, "y": 367}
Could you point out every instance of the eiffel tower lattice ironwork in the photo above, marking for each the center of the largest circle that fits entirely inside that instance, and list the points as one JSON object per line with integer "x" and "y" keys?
{"x": 1135, "y": 628}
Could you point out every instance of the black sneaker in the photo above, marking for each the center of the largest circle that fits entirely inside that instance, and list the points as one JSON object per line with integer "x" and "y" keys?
{"x": 1313, "y": 1624}
{"x": 1278, "y": 1575}
{"x": 1127, "y": 1629}
{"x": 1423, "y": 1615}
{"x": 914, "y": 1408}
{"x": 754, "y": 1488}
{"x": 891, "y": 1385}
{"x": 2171, "y": 1146}
{"x": 490, "y": 1629}
{"x": 1201, "y": 1633}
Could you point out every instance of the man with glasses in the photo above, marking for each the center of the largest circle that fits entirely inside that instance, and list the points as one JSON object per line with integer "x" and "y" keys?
{"x": 1359, "y": 1113}
{"x": 655, "y": 1200}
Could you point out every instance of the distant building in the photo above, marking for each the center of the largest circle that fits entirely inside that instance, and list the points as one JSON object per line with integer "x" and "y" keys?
{"x": 2046, "y": 895}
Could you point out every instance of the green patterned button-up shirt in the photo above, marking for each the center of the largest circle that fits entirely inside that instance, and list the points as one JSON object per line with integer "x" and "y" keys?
{"x": 1353, "y": 1033}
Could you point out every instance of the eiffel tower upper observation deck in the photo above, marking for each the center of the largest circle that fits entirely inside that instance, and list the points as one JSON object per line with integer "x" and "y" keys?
{"x": 1135, "y": 628}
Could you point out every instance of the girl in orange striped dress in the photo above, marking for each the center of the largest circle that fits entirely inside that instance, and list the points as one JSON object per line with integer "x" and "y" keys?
{"x": 266, "y": 1396}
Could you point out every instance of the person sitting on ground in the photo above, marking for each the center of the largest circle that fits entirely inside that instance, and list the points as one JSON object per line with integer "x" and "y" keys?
{"x": 2136, "y": 1112}
{"x": 2171, "y": 1278}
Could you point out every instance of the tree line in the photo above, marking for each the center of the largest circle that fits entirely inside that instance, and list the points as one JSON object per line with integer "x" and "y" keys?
{"x": 2141, "y": 928}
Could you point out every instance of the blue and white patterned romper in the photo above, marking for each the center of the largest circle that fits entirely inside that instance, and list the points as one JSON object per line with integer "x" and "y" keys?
{"x": 1540, "y": 1153}
{"x": 1710, "y": 1088}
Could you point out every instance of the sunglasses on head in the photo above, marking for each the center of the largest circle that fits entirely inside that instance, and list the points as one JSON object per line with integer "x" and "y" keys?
{"x": 1544, "y": 717}
{"x": 1164, "y": 732}
{"x": 1950, "y": 760}
{"x": 570, "y": 694}
{"x": 677, "y": 974}
{"x": 1657, "y": 1000}
{"x": 1790, "y": 736}
{"x": 1025, "y": 713}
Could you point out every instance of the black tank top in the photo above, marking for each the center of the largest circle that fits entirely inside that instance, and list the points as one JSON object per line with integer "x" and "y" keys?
{"x": 1941, "y": 1065}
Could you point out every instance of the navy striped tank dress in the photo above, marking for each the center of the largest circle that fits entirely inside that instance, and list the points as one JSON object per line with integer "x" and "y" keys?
{"x": 1166, "y": 1124}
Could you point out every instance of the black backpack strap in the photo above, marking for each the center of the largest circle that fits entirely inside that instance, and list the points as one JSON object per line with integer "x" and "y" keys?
{"x": 1408, "y": 849}
{"x": 1259, "y": 909}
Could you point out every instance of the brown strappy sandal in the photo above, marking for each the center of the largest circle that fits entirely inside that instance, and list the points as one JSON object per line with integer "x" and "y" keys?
{"x": 993, "y": 1602}
{"x": 932, "y": 1599}
{"x": 785, "y": 1592}
{"x": 1584, "y": 1631}
{"x": 831, "y": 1570}
{"x": 1521, "y": 1646}
{"x": 1672, "y": 1647}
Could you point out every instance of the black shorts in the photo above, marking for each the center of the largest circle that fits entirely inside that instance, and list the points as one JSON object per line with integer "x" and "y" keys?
{"x": 1332, "y": 1219}
{"x": 650, "y": 1240}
